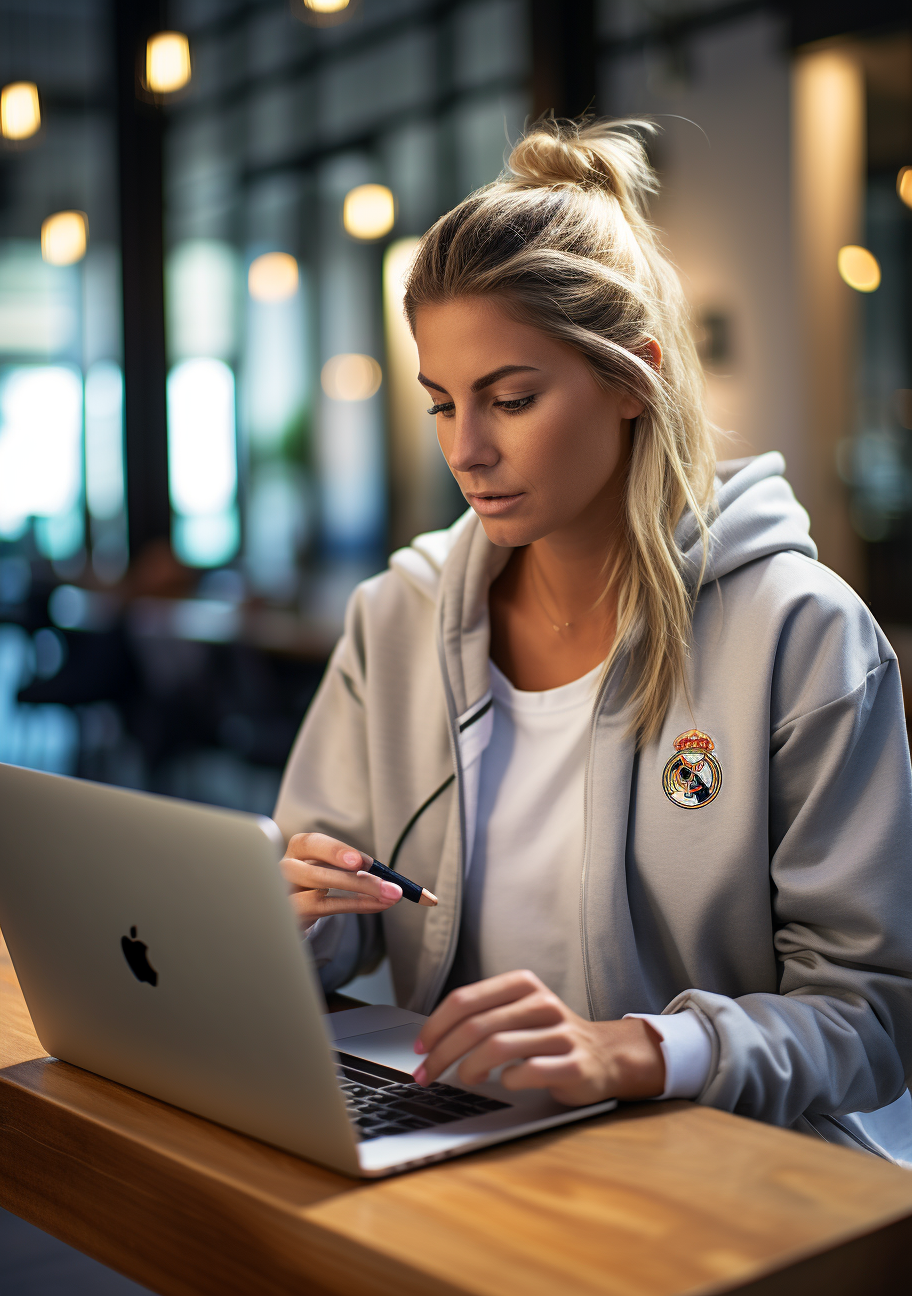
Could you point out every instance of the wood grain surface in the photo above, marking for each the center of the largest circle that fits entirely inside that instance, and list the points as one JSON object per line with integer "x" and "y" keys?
{"x": 654, "y": 1200}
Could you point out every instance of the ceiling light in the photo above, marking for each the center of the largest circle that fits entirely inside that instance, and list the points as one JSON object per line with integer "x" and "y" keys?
{"x": 326, "y": 6}
{"x": 167, "y": 62}
{"x": 859, "y": 268}
{"x": 351, "y": 377}
{"x": 903, "y": 184}
{"x": 273, "y": 277}
{"x": 369, "y": 211}
{"x": 20, "y": 111}
{"x": 63, "y": 238}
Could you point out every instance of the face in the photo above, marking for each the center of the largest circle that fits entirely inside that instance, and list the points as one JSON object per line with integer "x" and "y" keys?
{"x": 536, "y": 445}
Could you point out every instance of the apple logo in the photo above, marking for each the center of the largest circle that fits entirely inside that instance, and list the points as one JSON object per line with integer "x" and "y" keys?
{"x": 135, "y": 954}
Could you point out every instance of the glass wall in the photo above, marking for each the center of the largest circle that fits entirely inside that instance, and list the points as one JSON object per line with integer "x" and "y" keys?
{"x": 61, "y": 457}
{"x": 305, "y": 157}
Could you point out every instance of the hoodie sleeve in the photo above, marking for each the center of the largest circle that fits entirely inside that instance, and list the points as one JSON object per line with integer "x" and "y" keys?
{"x": 838, "y": 1036}
{"x": 325, "y": 788}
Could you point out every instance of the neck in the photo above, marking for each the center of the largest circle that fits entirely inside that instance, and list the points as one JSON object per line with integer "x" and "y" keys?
{"x": 572, "y": 560}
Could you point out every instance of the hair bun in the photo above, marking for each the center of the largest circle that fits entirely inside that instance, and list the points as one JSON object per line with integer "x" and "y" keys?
{"x": 589, "y": 154}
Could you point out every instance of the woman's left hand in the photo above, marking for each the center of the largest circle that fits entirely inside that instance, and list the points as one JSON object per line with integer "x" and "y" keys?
{"x": 514, "y": 1018}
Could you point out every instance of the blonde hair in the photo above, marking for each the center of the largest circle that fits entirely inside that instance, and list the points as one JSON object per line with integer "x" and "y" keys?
{"x": 563, "y": 238}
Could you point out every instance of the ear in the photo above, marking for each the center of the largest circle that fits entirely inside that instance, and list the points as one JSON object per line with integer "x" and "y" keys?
{"x": 652, "y": 354}
{"x": 630, "y": 407}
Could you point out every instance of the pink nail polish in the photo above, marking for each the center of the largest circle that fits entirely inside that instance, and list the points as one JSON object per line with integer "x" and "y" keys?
{"x": 420, "y": 1076}
{"x": 419, "y": 1047}
{"x": 352, "y": 857}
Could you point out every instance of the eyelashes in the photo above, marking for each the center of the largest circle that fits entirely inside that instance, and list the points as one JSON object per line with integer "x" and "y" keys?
{"x": 508, "y": 406}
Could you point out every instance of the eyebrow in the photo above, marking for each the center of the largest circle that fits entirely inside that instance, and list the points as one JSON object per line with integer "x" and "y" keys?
{"x": 480, "y": 383}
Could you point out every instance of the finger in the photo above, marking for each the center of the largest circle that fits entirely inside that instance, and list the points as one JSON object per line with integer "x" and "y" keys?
{"x": 570, "y": 1079}
{"x": 310, "y": 875}
{"x": 535, "y": 1011}
{"x": 310, "y": 905}
{"x": 544, "y": 1072}
{"x": 508, "y": 1046}
{"x": 328, "y": 850}
{"x": 469, "y": 1000}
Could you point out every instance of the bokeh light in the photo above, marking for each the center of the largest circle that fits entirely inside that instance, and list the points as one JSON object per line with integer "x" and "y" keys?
{"x": 351, "y": 377}
{"x": 202, "y": 461}
{"x": 41, "y": 452}
{"x": 904, "y": 185}
{"x": 326, "y": 6}
{"x": 859, "y": 268}
{"x": 273, "y": 277}
{"x": 20, "y": 111}
{"x": 167, "y": 62}
{"x": 64, "y": 237}
{"x": 369, "y": 211}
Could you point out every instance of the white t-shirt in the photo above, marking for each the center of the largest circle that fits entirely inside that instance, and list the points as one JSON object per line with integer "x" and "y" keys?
{"x": 521, "y": 901}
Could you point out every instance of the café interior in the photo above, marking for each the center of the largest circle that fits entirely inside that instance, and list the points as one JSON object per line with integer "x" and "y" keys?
{"x": 210, "y": 428}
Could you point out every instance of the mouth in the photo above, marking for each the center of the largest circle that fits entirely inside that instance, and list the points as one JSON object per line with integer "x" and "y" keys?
{"x": 489, "y": 503}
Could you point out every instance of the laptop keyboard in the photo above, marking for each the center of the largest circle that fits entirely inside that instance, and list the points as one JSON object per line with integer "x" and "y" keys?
{"x": 380, "y": 1104}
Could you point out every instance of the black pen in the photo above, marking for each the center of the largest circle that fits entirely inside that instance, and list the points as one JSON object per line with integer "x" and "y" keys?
{"x": 410, "y": 890}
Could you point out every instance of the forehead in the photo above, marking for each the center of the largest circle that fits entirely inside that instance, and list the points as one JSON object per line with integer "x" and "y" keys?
{"x": 462, "y": 338}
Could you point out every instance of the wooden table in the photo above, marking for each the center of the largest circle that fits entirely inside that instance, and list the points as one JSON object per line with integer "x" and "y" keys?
{"x": 652, "y": 1200}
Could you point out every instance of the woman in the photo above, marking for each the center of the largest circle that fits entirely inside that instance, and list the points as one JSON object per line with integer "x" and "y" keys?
{"x": 648, "y": 753}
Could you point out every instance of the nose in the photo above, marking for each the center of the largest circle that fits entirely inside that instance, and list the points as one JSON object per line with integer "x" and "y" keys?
{"x": 465, "y": 444}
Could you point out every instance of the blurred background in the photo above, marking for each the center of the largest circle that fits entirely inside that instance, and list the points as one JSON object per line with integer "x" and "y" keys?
{"x": 209, "y": 423}
{"x": 210, "y": 428}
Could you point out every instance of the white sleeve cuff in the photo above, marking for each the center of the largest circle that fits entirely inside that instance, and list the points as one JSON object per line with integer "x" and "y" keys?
{"x": 686, "y": 1048}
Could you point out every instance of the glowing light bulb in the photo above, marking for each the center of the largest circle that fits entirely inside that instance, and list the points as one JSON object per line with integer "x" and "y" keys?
{"x": 20, "y": 111}
{"x": 167, "y": 62}
{"x": 351, "y": 377}
{"x": 903, "y": 185}
{"x": 273, "y": 277}
{"x": 369, "y": 211}
{"x": 859, "y": 268}
{"x": 64, "y": 237}
{"x": 326, "y": 6}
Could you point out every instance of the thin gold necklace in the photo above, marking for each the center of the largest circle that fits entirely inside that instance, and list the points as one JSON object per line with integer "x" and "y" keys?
{"x": 567, "y": 625}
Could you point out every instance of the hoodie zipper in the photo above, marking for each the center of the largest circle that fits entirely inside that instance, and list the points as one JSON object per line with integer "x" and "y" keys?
{"x": 447, "y": 963}
{"x": 584, "y": 875}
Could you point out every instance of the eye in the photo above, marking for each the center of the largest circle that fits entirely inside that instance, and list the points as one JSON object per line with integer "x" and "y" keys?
{"x": 515, "y": 406}
{"x": 445, "y": 408}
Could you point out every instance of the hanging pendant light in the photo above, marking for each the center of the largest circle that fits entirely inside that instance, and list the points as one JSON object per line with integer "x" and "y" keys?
{"x": 64, "y": 237}
{"x": 167, "y": 62}
{"x": 20, "y": 110}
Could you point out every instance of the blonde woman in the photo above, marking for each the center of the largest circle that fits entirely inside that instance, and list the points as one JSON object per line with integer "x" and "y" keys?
{"x": 647, "y": 752}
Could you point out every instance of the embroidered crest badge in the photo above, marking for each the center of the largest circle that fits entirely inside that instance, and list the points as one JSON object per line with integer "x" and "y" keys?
{"x": 693, "y": 775}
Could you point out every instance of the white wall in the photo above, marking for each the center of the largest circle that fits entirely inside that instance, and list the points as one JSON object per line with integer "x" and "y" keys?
{"x": 725, "y": 211}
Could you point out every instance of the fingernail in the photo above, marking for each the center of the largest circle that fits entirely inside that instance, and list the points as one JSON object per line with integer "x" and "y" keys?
{"x": 352, "y": 857}
{"x": 420, "y": 1076}
{"x": 390, "y": 891}
{"x": 419, "y": 1047}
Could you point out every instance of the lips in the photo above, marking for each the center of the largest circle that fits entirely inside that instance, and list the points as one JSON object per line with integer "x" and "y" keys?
{"x": 489, "y": 505}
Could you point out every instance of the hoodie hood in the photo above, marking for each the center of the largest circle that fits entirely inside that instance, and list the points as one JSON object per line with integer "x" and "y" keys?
{"x": 756, "y": 515}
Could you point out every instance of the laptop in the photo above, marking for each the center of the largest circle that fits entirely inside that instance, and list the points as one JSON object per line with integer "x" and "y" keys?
{"x": 155, "y": 945}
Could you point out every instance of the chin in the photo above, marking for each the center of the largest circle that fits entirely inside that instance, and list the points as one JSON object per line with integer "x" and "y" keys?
{"x": 510, "y": 534}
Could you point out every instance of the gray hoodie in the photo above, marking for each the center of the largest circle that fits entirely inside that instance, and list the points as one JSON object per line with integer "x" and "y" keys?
{"x": 780, "y": 909}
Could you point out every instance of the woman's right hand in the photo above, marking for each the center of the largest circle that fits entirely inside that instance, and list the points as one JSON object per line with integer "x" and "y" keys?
{"x": 315, "y": 864}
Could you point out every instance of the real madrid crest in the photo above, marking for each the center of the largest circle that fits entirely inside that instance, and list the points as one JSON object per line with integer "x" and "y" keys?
{"x": 693, "y": 775}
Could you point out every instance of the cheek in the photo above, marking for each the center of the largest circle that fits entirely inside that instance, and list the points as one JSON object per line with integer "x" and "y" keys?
{"x": 573, "y": 454}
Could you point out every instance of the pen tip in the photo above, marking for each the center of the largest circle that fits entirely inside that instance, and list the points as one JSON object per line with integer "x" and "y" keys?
{"x": 427, "y": 897}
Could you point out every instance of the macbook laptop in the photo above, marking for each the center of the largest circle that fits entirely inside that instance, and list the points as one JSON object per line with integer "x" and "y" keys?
{"x": 155, "y": 945}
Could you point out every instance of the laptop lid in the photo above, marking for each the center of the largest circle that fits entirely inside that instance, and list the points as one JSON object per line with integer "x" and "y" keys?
{"x": 155, "y": 945}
